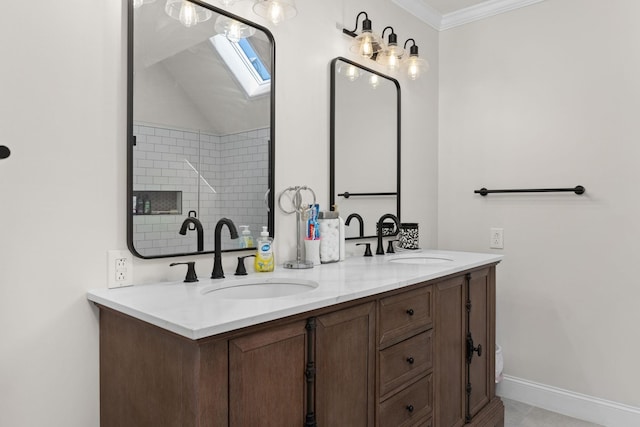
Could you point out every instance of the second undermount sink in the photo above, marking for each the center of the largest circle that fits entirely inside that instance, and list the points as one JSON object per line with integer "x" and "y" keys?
{"x": 419, "y": 259}
{"x": 272, "y": 287}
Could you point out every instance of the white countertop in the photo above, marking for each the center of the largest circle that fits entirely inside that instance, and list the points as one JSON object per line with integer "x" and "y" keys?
{"x": 193, "y": 311}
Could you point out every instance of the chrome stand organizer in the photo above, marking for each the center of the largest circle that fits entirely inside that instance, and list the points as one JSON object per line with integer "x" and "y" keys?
{"x": 301, "y": 210}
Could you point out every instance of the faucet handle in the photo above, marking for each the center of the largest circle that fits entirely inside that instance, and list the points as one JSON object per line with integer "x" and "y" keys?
{"x": 240, "y": 269}
{"x": 191, "y": 271}
{"x": 367, "y": 249}
{"x": 390, "y": 249}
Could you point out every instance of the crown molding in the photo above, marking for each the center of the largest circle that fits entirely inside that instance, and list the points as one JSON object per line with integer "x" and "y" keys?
{"x": 482, "y": 10}
{"x": 422, "y": 11}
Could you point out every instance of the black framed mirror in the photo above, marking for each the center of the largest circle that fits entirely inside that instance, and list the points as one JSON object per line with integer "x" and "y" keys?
{"x": 200, "y": 126}
{"x": 364, "y": 161}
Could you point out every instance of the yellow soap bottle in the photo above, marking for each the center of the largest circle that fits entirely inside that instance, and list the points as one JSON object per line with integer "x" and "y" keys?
{"x": 265, "y": 260}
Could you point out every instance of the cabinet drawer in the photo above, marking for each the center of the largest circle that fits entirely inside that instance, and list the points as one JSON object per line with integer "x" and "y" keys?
{"x": 410, "y": 406}
{"x": 405, "y": 360}
{"x": 404, "y": 314}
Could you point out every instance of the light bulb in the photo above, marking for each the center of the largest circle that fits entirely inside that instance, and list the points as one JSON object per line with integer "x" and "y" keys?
{"x": 233, "y": 33}
{"x": 393, "y": 62}
{"x": 413, "y": 71}
{"x": 232, "y": 29}
{"x": 416, "y": 66}
{"x": 275, "y": 13}
{"x": 188, "y": 15}
{"x": 366, "y": 44}
{"x": 391, "y": 57}
{"x": 352, "y": 73}
{"x": 348, "y": 71}
{"x": 366, "y": 47}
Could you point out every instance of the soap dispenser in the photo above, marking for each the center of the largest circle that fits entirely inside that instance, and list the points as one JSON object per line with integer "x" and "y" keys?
{"x": 246, "y": 239}
{"x": 265, "y": 260}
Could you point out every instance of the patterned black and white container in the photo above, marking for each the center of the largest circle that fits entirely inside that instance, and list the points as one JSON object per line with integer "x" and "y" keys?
{"x": 409, "y": 235}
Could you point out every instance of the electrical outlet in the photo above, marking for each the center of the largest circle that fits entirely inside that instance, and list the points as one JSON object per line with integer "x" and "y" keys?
{"x": 119, "y": 269}
{"x": 497, "y": 238}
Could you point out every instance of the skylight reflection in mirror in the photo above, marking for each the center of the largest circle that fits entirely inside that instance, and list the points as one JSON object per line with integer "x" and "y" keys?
{"x": 244, "y": 63}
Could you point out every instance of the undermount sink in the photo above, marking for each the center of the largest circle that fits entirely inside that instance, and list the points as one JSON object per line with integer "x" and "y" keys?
{"x": 273, "y": 287}
{"x": 420, "y": 259}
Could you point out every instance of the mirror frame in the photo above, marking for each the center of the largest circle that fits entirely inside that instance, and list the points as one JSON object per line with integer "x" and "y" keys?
{"x": 130, "y": 140}
{"x": 332, "y": 137}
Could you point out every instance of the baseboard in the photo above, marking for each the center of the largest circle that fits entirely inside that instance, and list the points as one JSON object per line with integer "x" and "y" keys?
{"x": 576, "y": 405}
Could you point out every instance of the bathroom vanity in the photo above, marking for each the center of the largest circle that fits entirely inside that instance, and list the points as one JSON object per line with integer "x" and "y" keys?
{"x": 403, "y": 340}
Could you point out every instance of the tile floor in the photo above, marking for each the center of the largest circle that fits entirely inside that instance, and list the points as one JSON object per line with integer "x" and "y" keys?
{"x": 518, "y": 414}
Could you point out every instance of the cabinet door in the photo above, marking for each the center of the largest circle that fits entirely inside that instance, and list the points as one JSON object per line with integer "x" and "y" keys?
{"x": 449, "y": 351}
{"x": 481, "y": 326}
{"x": 267, "y": 377}
{"x": 345, "y": 367}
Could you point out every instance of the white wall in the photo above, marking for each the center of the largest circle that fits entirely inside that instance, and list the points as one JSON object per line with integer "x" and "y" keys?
{"x": 548, "y": 96}
{"x": 63, "y": 114}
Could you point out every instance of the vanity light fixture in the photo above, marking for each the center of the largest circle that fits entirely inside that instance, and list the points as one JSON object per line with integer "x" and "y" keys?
{"x": 189, "y": 14}
{"x": 139, "y": 3}
{"x": 392, "y": 54}
{"x": 275, "y": 11}
{"x": 367, "y": 43}
{"x": 232, "y": 29}
{"x": 370, "y": 45}
{"x": 414, "y": 64}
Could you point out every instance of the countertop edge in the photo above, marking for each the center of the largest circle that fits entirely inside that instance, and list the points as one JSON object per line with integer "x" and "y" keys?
{"x": 109, "y": 299}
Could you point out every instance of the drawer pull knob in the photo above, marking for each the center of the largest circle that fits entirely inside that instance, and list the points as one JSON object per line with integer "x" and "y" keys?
{"x": 410, "y": 360}
{"x": 410, "y": 408}
{"x": 410, "y": 312}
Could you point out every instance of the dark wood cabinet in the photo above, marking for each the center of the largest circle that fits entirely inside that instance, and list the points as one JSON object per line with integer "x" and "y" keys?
{"x": 480, "y": 336}
{"x": 405, "y": 377}
{"x": 420, "y": 356}
{"x": 449, "y": 352}
{"x": 266, "y": 377}
{"x": 152, "y": 377}
{"x": 464, "y": 351}
{"x": 345, "y": 365}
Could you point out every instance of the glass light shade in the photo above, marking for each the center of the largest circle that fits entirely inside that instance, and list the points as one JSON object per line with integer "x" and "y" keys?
{"x": 416, "y": 66}
{"x": 350, "y": 71}
{"x": 189, "y": 14}
{"x": 366, "y": 44}
{"x": 275, "y": 11}
{"x": 139, "y": 3}
{"x": 232, "y": 29}
{"x": 391, "y": 57}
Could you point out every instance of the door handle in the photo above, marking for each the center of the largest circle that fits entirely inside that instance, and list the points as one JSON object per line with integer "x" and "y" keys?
{"x": 471, "y": 349}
